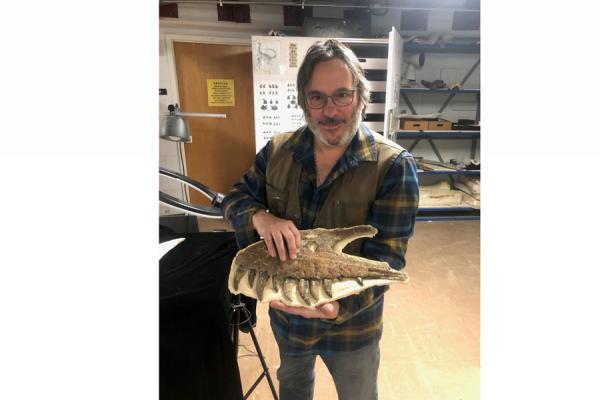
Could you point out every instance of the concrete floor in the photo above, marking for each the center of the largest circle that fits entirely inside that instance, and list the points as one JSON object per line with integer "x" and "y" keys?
{"x": 430, "y": 344}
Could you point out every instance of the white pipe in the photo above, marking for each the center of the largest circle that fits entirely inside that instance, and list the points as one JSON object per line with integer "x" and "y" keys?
{"x": 196, "y": 114}
{"x": 304, "y": 4}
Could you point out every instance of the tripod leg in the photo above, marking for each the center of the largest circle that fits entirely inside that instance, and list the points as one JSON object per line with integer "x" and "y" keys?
{"x": 235, "y": 331}
{"x": 237, "y": 307}
{"x": 263, "y": 363}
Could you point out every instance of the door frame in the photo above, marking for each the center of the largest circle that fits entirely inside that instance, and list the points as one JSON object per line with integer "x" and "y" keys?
{"x": 170, "y": 38}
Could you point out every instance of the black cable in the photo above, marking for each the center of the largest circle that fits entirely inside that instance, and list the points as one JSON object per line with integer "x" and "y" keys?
{"x": 252, "y": 353}
{"x": 241, "y": 307}
{"x": 181, "y": 168}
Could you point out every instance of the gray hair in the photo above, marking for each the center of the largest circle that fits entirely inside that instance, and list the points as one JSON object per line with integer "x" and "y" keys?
{"x": 325, "y": 51}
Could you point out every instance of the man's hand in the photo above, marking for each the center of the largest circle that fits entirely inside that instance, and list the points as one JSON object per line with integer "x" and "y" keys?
{"x": 326, "y": 311}
{"x": 278, "y": 233}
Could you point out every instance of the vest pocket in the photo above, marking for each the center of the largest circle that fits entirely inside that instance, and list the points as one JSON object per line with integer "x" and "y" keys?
{"x": 276, "y": 200}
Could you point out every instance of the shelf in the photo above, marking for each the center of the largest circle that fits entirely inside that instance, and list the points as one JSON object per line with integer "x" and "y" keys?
{"x": 378, "y": 48}
{"x": 446, "y": 209}
{"x": 443, "y": 91}
{"x": 443, "y": 48}
{"x": 437, "y": 134}
{"x": 448, "y": 214}
{"x": 448, "y": 172}
{"x": 448, "y": 217}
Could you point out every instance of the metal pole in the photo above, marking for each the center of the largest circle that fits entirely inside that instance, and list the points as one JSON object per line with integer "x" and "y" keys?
{"x": 306, "y": 4}
{"x": 408, "y": 103}
{"x": 437, "y": 153}
{"x": 410, "y": 149}
{"x": 473, "y": 148}
{"x": 451, "y": 96}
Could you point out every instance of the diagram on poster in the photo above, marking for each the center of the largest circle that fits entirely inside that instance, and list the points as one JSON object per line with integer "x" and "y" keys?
{"x": 267, "y": 57}
{"x": 292, "y": 113}
{"x": 276, "y": 110}
{"x": 267, "y": 108}
{"x": 275, "y": 67}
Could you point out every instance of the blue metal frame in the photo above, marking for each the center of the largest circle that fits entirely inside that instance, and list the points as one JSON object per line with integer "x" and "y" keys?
{"x": 449, "y": 172}
{"x": 438, "y": 134}
{"x": 446, "y": 209}
{"x": 451, "y": 214}
{"x": 443, "y": 48}
{"x": 443, "y": 91}
{"x": 449, "y": 218}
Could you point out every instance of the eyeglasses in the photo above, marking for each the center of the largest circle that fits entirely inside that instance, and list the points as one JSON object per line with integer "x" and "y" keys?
{"x": 340, "y": 98}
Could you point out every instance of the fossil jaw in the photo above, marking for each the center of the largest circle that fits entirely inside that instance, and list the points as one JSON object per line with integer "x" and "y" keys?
{"x": 320, "y": 273}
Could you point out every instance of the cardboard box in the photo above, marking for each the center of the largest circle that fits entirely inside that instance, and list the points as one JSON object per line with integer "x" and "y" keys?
{"x": 439, "y": 125}
{"x": 414, "y": 124}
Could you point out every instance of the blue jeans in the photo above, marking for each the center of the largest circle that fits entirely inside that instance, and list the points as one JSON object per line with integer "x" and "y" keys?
{"x": 354, "y": 374}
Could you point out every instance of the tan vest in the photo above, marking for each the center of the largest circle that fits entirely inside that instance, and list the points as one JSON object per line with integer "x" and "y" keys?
{"x": 350, "y": 196}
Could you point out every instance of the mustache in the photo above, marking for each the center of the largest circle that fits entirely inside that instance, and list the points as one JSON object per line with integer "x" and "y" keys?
{"x": 331, "y": 121}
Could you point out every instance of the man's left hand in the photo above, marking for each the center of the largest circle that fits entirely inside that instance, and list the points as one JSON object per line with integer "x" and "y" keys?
{"x": 326, "y": 310}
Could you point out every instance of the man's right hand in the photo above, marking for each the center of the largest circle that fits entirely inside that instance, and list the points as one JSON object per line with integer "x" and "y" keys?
{"x": 277, "y": 233}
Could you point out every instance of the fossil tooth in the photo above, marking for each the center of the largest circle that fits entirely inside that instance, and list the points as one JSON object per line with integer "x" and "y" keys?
{"x": 303, "y": 291}
{"x": 320, "y": 263}
{"x": 263, "y": 277}
{"x": 237, "y": 276}
{"x": 276, "y": 282}
{"x": 288, "y": 288}
{"x": 315, "y": 286}
{"x": 251, "y": 276}
{"x": 327, "y": 287}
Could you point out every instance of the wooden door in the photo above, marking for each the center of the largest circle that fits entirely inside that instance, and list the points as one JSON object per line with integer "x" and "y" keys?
{"x": 221, "y": 149}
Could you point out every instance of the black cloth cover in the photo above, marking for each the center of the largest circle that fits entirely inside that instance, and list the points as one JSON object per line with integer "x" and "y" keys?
{"x": 197, "y": 357}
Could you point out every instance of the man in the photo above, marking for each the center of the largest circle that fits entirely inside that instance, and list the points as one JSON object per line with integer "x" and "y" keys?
{"x": 334, "y": 172}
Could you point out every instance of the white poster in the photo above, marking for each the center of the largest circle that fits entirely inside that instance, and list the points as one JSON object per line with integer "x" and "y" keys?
{"x": 275, "y": 66}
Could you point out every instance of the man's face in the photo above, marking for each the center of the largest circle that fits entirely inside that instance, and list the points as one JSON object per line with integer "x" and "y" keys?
{"x": 333, "y": 125}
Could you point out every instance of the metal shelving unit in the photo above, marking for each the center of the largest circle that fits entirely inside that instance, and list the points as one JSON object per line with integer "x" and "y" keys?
{"x": 444, "y": 213}
{"x": 374, "y": 54}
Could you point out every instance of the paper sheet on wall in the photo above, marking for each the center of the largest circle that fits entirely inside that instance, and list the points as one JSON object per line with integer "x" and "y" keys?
{"x": 220, "y": 92}
{"x": 266, "y": 56}
{"x": 275, "y": 66}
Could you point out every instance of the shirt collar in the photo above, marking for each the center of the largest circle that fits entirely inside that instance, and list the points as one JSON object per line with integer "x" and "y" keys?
{"x": 362, "y": 147}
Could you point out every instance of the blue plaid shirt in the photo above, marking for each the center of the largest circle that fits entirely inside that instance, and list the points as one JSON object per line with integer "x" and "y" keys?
{"x": 392, "y": 213}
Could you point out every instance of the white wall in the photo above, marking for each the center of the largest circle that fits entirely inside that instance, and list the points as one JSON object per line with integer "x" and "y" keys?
{"x": 199, "y": 22}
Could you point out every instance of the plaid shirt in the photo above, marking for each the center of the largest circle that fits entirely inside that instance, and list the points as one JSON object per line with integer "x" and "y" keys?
{"x": 392, "y": 213}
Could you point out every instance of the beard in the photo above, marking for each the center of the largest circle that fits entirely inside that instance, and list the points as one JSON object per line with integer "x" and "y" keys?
{"x": 346, "y": 137}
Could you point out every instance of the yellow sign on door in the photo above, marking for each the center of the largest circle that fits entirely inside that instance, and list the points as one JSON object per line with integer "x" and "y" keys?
{"x": 220, "y": 93}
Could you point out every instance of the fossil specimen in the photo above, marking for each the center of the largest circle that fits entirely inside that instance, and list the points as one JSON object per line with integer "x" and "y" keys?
{"x": 320, "y": 273}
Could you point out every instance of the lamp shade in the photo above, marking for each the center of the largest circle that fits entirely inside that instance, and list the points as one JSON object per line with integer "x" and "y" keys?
{"x": 175, "y": 128}
{"x": 417, "y": 59}
{"x": 412, "y": 63}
